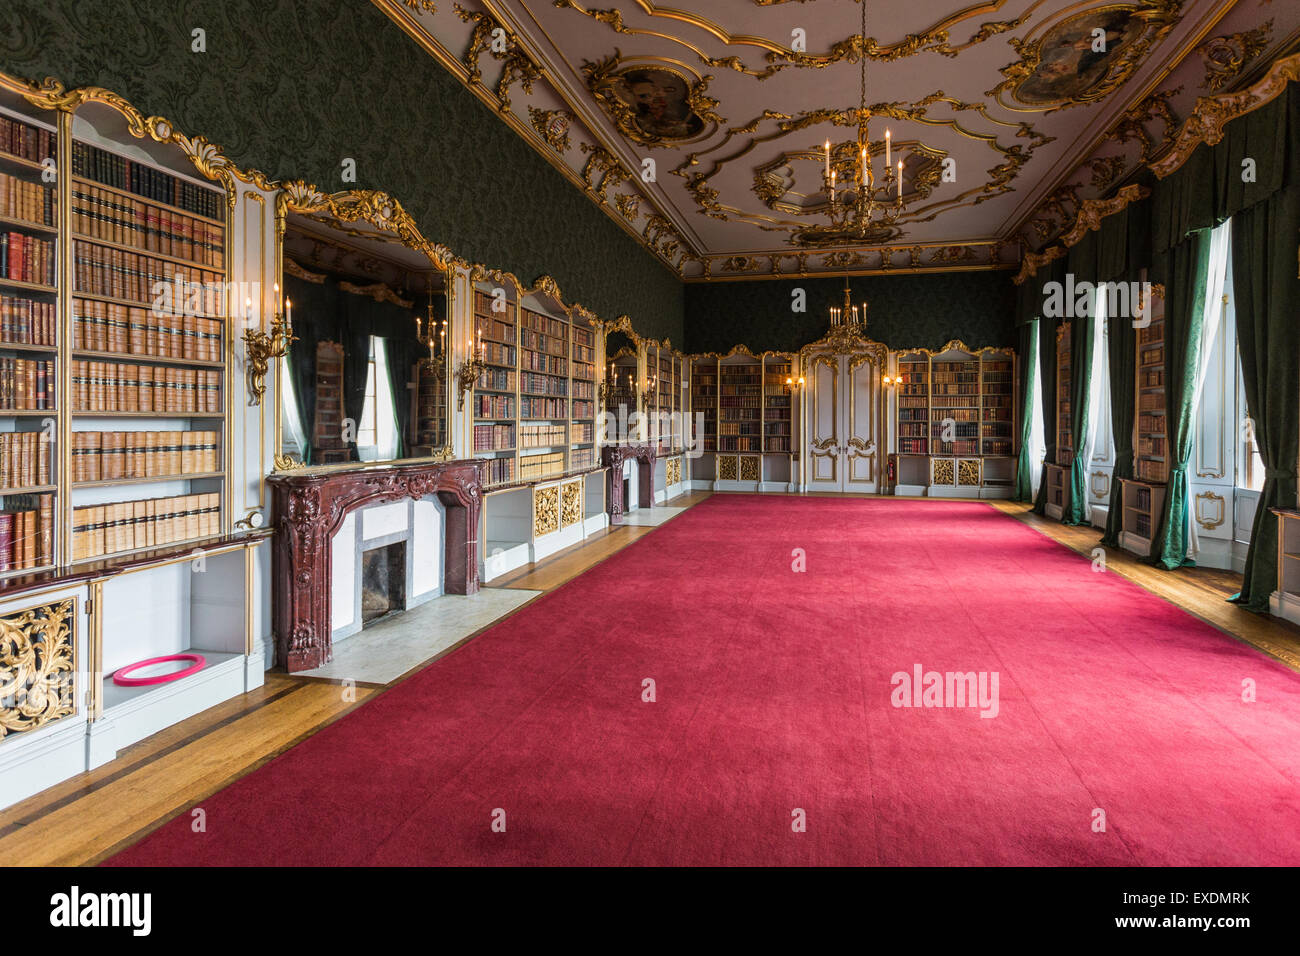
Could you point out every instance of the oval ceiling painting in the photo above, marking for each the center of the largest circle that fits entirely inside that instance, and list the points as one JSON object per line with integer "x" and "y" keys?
{"x": 653, "y": 105}
{"x": 1086, "y": 56}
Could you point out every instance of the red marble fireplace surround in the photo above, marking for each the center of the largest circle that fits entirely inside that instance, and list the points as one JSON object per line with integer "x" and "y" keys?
{"x": 310, "y": 506}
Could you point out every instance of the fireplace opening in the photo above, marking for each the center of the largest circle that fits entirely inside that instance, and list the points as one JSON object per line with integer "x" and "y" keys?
{"x": 383, "y": 582}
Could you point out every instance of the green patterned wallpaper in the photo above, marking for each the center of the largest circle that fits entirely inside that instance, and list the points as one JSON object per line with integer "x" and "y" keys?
{"x": 903, "y": 311}
{"x": 292, "y": 87}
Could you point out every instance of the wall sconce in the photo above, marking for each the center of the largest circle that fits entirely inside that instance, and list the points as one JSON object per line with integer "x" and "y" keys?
{"x": 648, "y": 394}
{"x": 469, "y": 373}
{"x": 791, "y": 385}
{"x": 261, "y": 348}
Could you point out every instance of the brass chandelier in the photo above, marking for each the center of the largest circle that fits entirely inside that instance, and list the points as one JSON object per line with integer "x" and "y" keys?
{"x": 861, "y": 209}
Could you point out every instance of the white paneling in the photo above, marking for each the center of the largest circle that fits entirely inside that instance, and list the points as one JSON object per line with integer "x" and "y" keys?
{"x": 217, "y": 604}
{"x": 426, "y": 548}
{"x": 343, "y": 609}
{"x": 384, "y": 519}
{"x": 147, "y": 614}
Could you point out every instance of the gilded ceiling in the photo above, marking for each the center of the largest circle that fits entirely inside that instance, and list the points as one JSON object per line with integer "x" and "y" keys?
{"x": 703, "y": 127}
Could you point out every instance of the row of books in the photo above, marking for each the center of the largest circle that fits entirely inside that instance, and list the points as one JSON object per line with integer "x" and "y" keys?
{"x": 583, "y": 389}
{"x": 27, "y": 258}
{"x": 956, "y": 401}
{"x": 137, "y": 277}
{"x": 129, "y": 525}
{"x": 25, "y": 321}
{"x": 1155, "y": 332}
{"x": 1153, "y": 357}
{"x": 499, "y": 470}
{"x": 25, "y": 459}
{"x": 582, "y": 353}
{"x": 584, "y": 409}
{"x": 957, "y": 447}
{"x": 133, "y": 330}
{"x": 543, "y": 408}
{"x": 26, "y": 532}
{"x": 1149, "y": 469}
{"x": 912, "y": 429}
{"x": 1149, "y": 424}
{"x": 112, "y": 217}
{"x": 776, "y": 443}
{"x": 25, "y": 141}
{"x": 997, "y": 446}
{"x": 956, "y": 378}
{"x": 968, "y": 367}
{"x": 489, "y": 328}
{"x": 91, "y": 162}
{"x": 494, "y": 406}
{"x": 959, "y": 429}
{"x": 544, "y": 324}
{"x": 913, "y": 446}
{"x": 1152, "y": 378}
{"x": 483, "y": 303}
{"x": 582, "y": 432}
{"x": 956, "y": 414}
{"x": 742, "y": 443}
{"x": 549, "y": 344}
{"x": 494, "y": 437}
{"x": 1153, "y": 445}
{"x": 541, "y": 362}
{"x": 912, "y": 401}
{"x": 494, "y": 353}
{"x": 1151, "y": 401}
{"x": 118, "y": 387}
{"x": 533, "y": 467}
{"x": 582, "y": 458}
{"x": 27, "y": 201}
{"x": 946, "y": 389}
{"x": 541, "y": 436}
{"x": 114, "y": 456}
{"x": 26, "y": 384}
{"x": 496, "y": 379}
{"x": 739, "y": 428}
{"x": 535, "y": 384}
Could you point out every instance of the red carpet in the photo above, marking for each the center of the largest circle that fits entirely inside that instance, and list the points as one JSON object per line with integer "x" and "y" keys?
{"x": 774, "y": 694}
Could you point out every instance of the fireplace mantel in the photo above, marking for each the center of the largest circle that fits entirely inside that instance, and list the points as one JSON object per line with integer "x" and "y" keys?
{"x": 310, "y": 505}
{"x": 612, "y": 457}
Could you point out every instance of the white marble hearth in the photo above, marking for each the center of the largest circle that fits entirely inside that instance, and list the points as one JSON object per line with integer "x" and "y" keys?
{"x": 652, "y": 516}
{"x": 388, "y": 649}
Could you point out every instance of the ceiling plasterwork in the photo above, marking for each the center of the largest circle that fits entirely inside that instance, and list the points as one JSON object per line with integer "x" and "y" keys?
{"x": 702, "y": 131}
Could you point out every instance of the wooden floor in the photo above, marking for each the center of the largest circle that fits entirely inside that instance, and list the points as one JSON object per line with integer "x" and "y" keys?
{"x": 90, "y": 817}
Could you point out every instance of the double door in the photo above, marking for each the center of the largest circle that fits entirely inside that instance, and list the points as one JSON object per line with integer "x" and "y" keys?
{"x": 843, "y": 422}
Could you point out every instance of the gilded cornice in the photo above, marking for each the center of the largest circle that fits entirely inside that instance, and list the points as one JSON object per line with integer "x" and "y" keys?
{"x": 1033, "y": 261}
{"x": 1087, "y": 219}
{"x": 1212, "y": 113}
{"x": 295, "y": 269}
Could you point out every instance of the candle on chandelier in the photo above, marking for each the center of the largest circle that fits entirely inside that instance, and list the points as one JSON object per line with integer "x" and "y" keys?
{"x": 866, "y": 164}
{"x": 832, "y": 186}
{"x": 288, "y": 310}
{"x": 828, "y": 157}
{"x": 888, "y": 161}
{"x": 900, "y": 180}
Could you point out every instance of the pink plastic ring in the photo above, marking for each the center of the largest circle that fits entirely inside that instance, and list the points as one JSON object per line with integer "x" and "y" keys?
{"x": 120, "y": 678}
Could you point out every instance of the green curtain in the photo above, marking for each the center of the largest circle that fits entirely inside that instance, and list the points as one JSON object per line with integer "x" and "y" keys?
{"x": 1028, "y": 368}
{"x": 1046, "y": 401}
{"x": 1121, "y": 349}
{"x": 1077, "y": 510}
{"x": 1267, "y": 293}
{"x": 1184, "y": 272}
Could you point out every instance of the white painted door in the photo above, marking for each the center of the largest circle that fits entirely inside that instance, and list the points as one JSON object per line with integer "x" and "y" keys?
{"x": 842, "y": 400}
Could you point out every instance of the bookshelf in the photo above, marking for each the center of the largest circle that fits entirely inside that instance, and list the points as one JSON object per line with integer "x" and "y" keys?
{"x": 704, "y": 400}
{"x": 740, "y": 404}
{"x": 1285, "y": 601}
{"x": 534, "y": 406}
{"x": 429, "y": 408}
{"x": 1143, "y": 495}
{"x": 1057, "y": 473}
{"x": 777, "y": 407}
{"x": 955, "y": 421}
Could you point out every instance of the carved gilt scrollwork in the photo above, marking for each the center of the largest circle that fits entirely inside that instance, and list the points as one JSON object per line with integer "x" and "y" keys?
{"x": 36, "y": 667}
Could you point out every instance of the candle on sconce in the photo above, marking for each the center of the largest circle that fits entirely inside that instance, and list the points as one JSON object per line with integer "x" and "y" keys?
{"x": 248, "y": 313}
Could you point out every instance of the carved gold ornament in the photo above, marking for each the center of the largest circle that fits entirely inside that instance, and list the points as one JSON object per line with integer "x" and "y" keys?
{"x": 552, "y": 126}
{"x": 516, "y": 65}
{"x": 36, "y": 667}
{"x": 1061, "y": 66}
{"x": 652, "y": 101}
{"x": 936, "y": 38}
{"x": 546, "y": 510}
{"x": 727, "y": 468}
{"x": 942, "y": 473}
{"x": 673, "y": 471}
{"x": 571, "y": 509}
{"x": 1212, "y": 113}
{"x": 1210, "y": 499}
{"x": 749, "y": 468}
{"x": 1226, "y": 56}
{"x": 968, "y": 471}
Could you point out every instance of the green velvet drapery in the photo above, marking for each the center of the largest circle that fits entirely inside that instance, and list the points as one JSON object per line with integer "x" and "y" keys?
{"x": 1184, "y": 272}
{"x": 1055, "y": 272}
{"x": 1028, "y": 368}
{"x": 1267, "y": 295}
{"x": 1082, "y": 264}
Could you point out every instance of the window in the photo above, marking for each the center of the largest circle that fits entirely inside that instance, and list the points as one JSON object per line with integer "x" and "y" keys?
{"x": 1037, "y": 450}
{"x": 1250, "y": 466}
{"x": 377, "y": 430}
